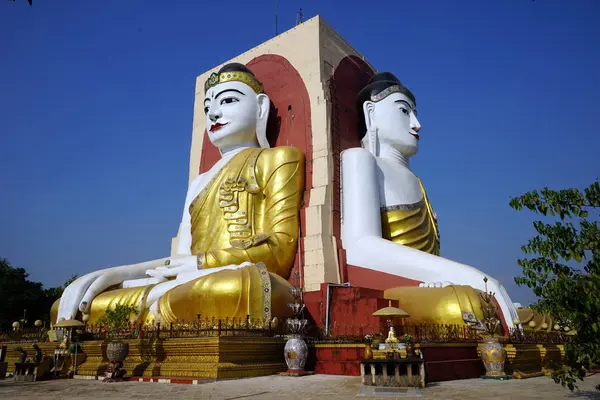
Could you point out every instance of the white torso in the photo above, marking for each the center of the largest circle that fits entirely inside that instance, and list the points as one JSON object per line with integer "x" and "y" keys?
{"x": 397, "y": 184}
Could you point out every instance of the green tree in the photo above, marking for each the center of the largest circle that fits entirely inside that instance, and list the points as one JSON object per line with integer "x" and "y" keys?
{"x": 17, "y": 293}
{"x": 117, "y": 320}
{"x": 563, "y": 269}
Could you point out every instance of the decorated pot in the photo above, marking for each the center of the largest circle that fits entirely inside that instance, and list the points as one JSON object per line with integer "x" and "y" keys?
{"x": 296, "y": 352}
{"x": 493, "y": 356}
{"x": 117, "y": 351}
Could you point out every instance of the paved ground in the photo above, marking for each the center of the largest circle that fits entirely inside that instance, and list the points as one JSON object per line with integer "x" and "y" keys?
{"x": 276, "y": 387}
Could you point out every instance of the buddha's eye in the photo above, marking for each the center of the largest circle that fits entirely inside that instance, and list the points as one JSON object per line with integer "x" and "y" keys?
{"x": 229, "y": 100}
{"x": 404, "y": 110}
{"x": 206, "y": 109}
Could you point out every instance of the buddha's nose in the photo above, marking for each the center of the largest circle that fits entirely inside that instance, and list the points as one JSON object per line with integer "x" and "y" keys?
{"x": 214, "y": 115}
{"x": 415, "y": 125}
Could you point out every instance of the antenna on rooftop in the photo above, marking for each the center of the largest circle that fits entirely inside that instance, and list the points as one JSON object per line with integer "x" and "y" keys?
{"x": 276, "y": 17}
{"x": 299, "y": 18}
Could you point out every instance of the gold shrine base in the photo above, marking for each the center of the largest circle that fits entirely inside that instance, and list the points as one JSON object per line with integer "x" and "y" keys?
{"x": 201, "y": 357}
{"x": 531, "y": 360}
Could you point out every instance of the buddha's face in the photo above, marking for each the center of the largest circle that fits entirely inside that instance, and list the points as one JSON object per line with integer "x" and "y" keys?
{"x": 395, "y": 121}
{"x": 232, "y": 111}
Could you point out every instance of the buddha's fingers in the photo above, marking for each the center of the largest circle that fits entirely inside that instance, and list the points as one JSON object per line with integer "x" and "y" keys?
{"x": 111, "y": 277}
{"x": 438, "y": 285}
{"x": 175, "y": 268}
{"x": 131, "y": 283}
{"x": 72, "y": 295}
{"x": 161, "y": 273}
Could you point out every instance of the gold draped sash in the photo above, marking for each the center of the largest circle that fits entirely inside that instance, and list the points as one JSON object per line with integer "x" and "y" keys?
{"x": 249, "y": 211}
{"x": 412, "y": 225}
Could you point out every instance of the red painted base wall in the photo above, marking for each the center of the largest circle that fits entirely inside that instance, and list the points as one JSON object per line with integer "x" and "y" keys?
{"x": 350, "y": 315}
{"x": 338, "y": 361}
{"x": 444, "y": 362}
{"x": 451, "y": 362}
{"x": 350, "y": 310}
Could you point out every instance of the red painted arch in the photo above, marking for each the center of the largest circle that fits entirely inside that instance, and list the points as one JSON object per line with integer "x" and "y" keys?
{"x": 349, "y": 77}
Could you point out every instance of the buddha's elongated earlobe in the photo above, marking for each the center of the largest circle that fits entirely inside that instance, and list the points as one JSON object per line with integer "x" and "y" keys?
{"x": 373, "y": 142}
{"x": 371, "y": 134}
{"x": 264, "y": 106}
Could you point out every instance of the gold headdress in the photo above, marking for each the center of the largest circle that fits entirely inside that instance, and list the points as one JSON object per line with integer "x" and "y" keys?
{"x": 243, "y": 77}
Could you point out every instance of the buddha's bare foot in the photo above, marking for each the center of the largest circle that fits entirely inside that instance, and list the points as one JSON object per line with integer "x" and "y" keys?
{"x": 435, "y": 284}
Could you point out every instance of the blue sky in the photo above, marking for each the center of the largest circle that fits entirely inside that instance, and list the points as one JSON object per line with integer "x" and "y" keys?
{"x": 96, "y": 101}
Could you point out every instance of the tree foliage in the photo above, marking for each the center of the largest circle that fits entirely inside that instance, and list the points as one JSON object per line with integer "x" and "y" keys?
{"x": 17, "y": 293}
{"x": 563, "y": 269}
{"x": 117, "y": 320}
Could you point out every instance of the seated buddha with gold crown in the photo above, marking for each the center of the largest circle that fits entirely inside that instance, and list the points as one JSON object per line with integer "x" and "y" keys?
{"x": 239, "y": 230}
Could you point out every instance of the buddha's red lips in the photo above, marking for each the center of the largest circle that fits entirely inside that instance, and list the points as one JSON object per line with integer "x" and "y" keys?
{"x": 217, "y": 126}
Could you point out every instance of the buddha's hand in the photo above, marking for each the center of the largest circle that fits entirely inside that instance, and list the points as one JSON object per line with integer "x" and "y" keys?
{"x": 186, "y": 268}
{"x": 79, "y": 294}
{"x": 435, "y": 284}
{"x": 174, "y": 267}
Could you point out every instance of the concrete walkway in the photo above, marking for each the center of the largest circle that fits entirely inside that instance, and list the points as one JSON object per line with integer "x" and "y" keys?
{"x": 275, "y": 387}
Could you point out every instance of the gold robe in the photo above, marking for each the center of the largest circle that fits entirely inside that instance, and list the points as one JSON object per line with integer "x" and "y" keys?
{"x": 415, "y": 225}
{"x": 248, "y": 212}
{"x": 412, "y": 225}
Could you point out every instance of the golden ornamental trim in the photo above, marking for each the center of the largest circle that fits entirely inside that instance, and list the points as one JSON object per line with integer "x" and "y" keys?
{"x": 244, "y": 77}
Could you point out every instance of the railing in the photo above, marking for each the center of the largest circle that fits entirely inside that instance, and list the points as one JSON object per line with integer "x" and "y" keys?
{"x": 207, "y": 327}
{"x": 537, "y": 337}
{"x": 424, "y": 333}
{"x": 435, "y": 333}
{"x": 214, "y": 327}
{"x": 24, "y": 335}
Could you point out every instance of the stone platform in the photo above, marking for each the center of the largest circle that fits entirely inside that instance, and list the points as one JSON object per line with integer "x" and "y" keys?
{"x": 225, "y": 357}
{"x": 244, "y": 357}
{"x": 304, "y": 388}
{"x": 199, "y": 358}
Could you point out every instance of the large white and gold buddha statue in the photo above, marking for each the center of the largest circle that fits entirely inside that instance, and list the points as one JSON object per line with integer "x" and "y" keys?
{"x": 239, "y": 229}
{"x": 388, "y": 224}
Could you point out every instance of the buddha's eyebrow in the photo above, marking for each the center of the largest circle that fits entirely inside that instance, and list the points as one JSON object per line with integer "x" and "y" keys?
{"x": 225, "y": 91}
{"x": 229, "y": 90}
{"x": 404, "y": 102}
